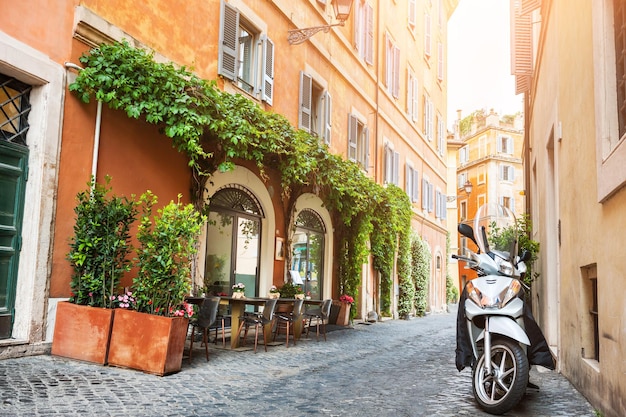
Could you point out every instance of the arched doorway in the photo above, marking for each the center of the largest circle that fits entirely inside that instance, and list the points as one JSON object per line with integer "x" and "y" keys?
{"x": 233, "y": 245}
{"x": 307, "y": 252}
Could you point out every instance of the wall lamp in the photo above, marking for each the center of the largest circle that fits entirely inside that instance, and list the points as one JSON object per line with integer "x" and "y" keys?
{"x": 342, "y": 12}
{"x": 468, "y": 187}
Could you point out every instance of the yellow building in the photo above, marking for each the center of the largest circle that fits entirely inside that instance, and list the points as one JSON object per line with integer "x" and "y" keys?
{"x": 568, "y": 58}
{"x": 489, "y": 167}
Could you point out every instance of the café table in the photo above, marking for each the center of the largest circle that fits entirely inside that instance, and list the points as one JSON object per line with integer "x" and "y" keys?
{"x": 237, "y": 309}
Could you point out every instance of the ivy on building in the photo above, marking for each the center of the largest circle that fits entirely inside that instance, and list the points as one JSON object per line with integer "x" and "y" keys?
{"x": 215, "y": 129}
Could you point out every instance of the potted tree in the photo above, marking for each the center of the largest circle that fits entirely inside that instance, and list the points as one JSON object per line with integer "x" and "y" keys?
{"x": 151, "y": 337}
{"x": 99, "y": 255}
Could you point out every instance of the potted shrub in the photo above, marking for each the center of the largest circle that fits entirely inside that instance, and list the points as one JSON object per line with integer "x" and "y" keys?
{"x": 343, "y": 318}
{"x": 152, "y": 337}
{"x": 290, "y": 290}
{"x": 99, "y": 255}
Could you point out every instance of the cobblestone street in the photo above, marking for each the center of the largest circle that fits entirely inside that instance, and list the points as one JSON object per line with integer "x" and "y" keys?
{"x": 392, "y": 368}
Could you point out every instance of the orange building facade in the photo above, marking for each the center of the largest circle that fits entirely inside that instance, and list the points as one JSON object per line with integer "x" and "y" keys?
{"x": 376, "y": 90}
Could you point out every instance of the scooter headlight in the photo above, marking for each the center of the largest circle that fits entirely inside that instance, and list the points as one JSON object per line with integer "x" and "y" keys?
{"x": 505, "y": 268}
{"x": 499, "y": 301}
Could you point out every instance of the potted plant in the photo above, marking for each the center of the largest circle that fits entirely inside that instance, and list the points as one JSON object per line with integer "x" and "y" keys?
{"x": 239, "y": 290}
{"x": 343, "y": 318}
{"x": 274, "y": 292}
{"x": 290, "y": 290}
{"x": 152, "y": 337}
{"x": 99, "y": 256}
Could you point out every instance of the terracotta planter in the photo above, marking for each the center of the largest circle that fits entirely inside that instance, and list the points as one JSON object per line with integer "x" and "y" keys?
{"x": 343, "y": 318}
{"x": 149, "y": 343}
{"x": 82, "y": 332}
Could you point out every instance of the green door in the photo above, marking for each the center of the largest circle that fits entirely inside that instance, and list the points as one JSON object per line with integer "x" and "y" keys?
{"x": 13, "y": 165}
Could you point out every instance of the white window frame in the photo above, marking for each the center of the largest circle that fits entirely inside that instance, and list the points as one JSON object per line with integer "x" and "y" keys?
{"x": 440, "y": 62}
{"x": 507, "y": 172}
{"x": 428, "y": 117}
{"x": 427, "y": 36}
{"x": 441, "y": 136}
{"x": 505, "y": 144}
{"x": 392, "y": 66}
{"x": 464, "y": 154}
{"x": 412, "y": 14}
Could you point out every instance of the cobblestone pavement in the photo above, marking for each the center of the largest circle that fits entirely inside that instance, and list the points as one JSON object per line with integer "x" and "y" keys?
{"x": 392, "y": 368}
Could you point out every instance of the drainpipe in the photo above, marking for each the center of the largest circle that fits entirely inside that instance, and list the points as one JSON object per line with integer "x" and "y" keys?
{"x": 96, "y": 136}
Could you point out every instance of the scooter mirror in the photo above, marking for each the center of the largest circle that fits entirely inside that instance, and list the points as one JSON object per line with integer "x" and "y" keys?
{"x": 467, "y": 231}
{"x": 526, "y": 255}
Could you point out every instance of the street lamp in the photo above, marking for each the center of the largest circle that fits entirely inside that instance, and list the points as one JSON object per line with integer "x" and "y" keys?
{"x": 342, "y": 12}
{"x": 468, "y": 187}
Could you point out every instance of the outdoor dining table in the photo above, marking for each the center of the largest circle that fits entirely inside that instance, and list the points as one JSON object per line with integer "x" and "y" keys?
{"x": 237, "y": 309}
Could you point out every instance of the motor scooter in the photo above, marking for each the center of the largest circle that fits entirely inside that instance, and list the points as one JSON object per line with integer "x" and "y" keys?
{"x": 496, "y": 333}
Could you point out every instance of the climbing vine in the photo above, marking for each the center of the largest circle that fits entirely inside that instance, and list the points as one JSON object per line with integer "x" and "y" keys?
{"x": 215, "y": 129}
{"x": 420, "y": 271}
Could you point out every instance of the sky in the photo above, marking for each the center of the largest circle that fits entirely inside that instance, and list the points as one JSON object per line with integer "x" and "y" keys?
{"x": 479, "y": 60}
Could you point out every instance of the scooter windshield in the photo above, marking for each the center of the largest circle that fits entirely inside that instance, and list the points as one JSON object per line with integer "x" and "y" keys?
{"x": 495, "y": 230}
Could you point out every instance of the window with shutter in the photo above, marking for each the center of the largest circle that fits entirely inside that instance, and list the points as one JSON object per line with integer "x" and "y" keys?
{"x": 306, "y": 92}
{"x": 427, "y": 35}
{"x": 358, "y": 142}
{"x": 246, "y": 56}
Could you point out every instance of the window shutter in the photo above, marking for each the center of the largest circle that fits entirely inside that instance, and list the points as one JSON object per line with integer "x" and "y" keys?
{"x": 268, "y": 70}
{"x": 412, "y": 13}
{"x": 408, "y": 178}
{"x": 328, "y": 111}
{"x": 444, "y": 204}
{"x": 396, "y": 72}
{"x": 388, "y": 169}
{"x": 396, "y": 168}
{"x": 427, "y": 34}
{"x": 415, "y": 186}
{"x": 430, "y": 197}
{"x": 366, "y": 151}
{"x": 369, "y": 36}
{"x": 424, "y": 194}
{"x": 352, "y": 132}
{"x": 415, "y": 87}
{"x": 440, "y": 62}
{"x": 306, "y": 92}
{"x": 409, "y": 92}
{"x": 509, "y": 145}
{"x": 229, "y": 42}
{"x": 437, "y": 204}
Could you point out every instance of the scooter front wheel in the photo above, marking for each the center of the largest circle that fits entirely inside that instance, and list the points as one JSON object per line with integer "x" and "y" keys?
{"x": 499, "y": 391}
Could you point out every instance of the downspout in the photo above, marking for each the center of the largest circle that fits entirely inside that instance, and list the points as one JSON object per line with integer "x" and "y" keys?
{"x": 96, "y": 136}
{"x": 376, "y": 299}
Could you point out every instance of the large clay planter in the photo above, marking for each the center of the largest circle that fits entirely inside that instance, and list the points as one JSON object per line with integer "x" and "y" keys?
{"x": 146, "y": 342}
{"x": 82, "y": 332}
{"x": 343, "y": 318}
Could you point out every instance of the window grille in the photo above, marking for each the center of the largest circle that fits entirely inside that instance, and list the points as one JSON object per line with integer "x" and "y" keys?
{"x": 14, "y": 109}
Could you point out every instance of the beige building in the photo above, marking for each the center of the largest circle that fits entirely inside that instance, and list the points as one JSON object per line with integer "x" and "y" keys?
{"x": 568, "y": 58}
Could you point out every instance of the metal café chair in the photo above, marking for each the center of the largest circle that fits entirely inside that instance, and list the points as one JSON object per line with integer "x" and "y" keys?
{"x": 258, "y": 321}
{"x": 286, "y": 320}
{"x": 207, "y": 316}
{"x": 321, "y": 316}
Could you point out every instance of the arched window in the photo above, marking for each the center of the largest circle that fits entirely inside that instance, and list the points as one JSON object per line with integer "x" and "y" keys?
{"x": 307, "y": 252}
{"x": 233, "y": 241}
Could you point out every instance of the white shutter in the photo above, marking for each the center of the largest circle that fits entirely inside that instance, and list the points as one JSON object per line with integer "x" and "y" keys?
{"x": 424, "y": 194}
{"x": 388, "y": 168}
{"x": 328, "y": 111}
{"x": 415, "y": 87}
{"x": 396, "y": 167}
{"x": 306, "y": 92}
{"x": 415, "y": 186}
{"x": 427, "y": 40}
{"x": 431, "y": 194}
{"x": 366, "y": 151}
{"x": 412, "y": 13}
{"x": 369, "y": 35}
{"x": 229, "y": 42}
{"x": 268, "y": 70}
{"x": 396, "y": 72}
{"x": 352, "y": 132}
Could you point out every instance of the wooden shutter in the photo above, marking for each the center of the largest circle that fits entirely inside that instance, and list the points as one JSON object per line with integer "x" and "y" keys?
{"x": 268, "y": 70}
{"x": 369, "y": 35}
{"x": 229, "y": 42}
{"x": 328, "y": 111}
{"x": 352, "y": 132}
{"x": 306, "y": 93}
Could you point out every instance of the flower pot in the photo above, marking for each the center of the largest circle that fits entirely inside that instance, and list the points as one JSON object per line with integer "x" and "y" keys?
{"x": 82, "y": 332}
{"x": 299, "y": 296}
{"x": 146, "y": 342}
{"x": 343, "y": 318}
{"x": 273, "y": 295}
{"x": 238, "y": 294}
